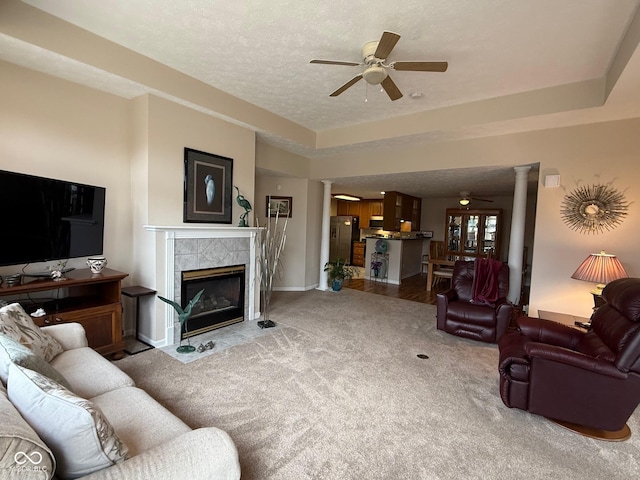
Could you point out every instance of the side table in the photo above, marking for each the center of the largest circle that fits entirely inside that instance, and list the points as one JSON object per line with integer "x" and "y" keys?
{"x": 136, "y": 292}
{"x": 566, "y": 319}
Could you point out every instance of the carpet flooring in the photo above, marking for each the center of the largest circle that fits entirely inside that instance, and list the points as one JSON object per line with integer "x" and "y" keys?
{"x": 337, "y": 391}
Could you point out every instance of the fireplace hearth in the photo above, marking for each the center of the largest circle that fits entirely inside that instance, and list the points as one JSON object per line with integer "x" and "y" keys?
{"x": 222, "y": 302}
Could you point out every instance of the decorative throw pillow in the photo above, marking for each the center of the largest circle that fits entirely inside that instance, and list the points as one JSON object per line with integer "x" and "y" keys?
{"x": 17, "y": 324}
{"x": 23, "y": 454}
{"x": 12, "y": 351}
{"x": 80, "y": 437}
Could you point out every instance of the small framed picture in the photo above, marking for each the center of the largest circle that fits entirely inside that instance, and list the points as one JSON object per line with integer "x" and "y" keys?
{"x": 280, "y": 206}
{"x": 207, "y": 187}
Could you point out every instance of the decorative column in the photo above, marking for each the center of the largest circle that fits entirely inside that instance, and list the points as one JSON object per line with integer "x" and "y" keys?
{"x": 516, "y": 240}
{"x": 324, "y": 241}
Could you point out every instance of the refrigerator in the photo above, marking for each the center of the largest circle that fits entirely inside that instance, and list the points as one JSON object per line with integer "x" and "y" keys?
{"x": 344, "y": 230}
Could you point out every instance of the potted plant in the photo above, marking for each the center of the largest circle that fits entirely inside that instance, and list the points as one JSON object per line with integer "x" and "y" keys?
{"x": 338, "y": 271}
{"x": 375, "y": 266}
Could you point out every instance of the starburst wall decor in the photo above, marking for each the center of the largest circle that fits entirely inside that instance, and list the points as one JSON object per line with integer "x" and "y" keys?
{"x": 594, "y": 209}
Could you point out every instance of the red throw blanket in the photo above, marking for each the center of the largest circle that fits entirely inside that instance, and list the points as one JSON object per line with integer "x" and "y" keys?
{"x": 485, "y": 281}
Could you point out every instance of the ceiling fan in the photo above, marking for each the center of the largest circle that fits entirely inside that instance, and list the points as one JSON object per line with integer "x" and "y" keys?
{"x": 465, "y": 199}
{"x": 374, "y": 55}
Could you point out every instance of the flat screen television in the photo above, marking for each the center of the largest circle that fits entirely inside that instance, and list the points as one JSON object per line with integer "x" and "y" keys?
{"x": 43, "y": 219}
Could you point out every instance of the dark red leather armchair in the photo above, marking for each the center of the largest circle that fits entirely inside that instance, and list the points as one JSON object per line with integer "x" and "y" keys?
{"x": 458, "y": 316}
{"x": 588, "y": 381}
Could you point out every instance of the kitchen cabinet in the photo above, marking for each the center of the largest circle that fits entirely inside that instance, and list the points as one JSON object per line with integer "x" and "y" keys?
{"x": 365, "y": 213}
{"x": 346, "y": 207}
{"x": 472, "y": 233}
{"x": 368, "y": 209}
{"x": 399, "y": 208}
{"x": 91, "y": 299}
{"x": 376, "y": 207}
{"x": 358, "y": 254}
{"x": 416, "y": 213}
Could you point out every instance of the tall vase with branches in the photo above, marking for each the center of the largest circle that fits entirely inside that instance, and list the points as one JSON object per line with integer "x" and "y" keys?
{"x": 270, "y": 242}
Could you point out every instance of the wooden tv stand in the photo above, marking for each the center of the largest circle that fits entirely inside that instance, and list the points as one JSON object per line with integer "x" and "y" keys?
{"x": 91, "y": 299}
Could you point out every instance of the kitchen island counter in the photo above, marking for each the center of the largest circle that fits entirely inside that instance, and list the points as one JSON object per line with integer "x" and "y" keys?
{"x": 405, "y": 256}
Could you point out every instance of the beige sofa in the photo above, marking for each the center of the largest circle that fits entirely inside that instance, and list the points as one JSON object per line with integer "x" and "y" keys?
{"x": 160, "y": 446}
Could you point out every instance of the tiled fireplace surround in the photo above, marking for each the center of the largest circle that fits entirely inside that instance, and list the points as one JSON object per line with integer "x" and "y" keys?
{"x": 193, "y": 248}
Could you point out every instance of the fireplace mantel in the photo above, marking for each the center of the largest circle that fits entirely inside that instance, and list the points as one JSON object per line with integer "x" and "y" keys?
{"x": 178, "y": 237}
{"x": 202, "y": 231}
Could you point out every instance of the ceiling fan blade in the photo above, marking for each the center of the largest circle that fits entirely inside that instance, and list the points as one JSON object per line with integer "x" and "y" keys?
{"x": 351, "y": 82}
{"x": 482, "y": 199}
{"x": 386, "y": 44}
{"x": 421, "y": 66}
{"x": 391, "y": 88}
{"x": 333, "y": 62}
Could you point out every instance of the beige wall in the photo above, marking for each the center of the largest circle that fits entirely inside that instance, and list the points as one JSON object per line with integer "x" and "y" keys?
{"x": 301, "y": 268}
{"x": 297, "y": 261}
{"x": 134, "y": 148}
{"x": 53, "y": 128}
{"x": 604, "y": 152}
{"x": 315, "y": 195}
{"x": 171, "y": 128}
{"x": 273, "y": 159}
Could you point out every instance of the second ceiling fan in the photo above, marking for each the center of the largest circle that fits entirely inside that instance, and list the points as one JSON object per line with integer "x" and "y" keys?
{"x": 374, "y": 55}
{"x": 465, "y": 199}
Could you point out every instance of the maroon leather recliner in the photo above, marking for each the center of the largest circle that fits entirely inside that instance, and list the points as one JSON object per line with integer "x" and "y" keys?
{"x": 457, "y": 315}
{"x": 582, "y": 378}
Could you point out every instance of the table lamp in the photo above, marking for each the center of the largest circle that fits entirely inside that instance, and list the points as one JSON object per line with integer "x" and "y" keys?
{"x": 600, "y": 268}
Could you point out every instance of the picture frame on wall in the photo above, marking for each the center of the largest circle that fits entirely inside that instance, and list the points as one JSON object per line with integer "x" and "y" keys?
{"x": 207, "y": 187}
{"x": 280, "y": 206}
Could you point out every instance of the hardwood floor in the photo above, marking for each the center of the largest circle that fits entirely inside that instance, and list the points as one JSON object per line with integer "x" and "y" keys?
{"x": 412, "y": 288}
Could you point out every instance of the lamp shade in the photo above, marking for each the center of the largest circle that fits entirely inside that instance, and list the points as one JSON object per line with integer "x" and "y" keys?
{"x": 600, "y": 268}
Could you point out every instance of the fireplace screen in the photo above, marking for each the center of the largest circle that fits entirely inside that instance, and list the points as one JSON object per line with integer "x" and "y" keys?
{"x": 222, "y": 302}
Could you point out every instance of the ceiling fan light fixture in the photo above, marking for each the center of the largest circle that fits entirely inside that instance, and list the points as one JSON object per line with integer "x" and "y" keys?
{"x": 374, "y": 56}
{"x": 464, "y": 201}
{"x": 374, "y": 75}
{"x": 343, "y": 196}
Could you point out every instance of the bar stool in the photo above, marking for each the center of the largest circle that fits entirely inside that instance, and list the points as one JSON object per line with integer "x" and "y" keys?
{"x": 136, "y": 292}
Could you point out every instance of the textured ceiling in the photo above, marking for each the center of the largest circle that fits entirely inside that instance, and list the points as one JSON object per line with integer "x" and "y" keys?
{"x": 259, "y": 51}
{"x": 479, "y": 181}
